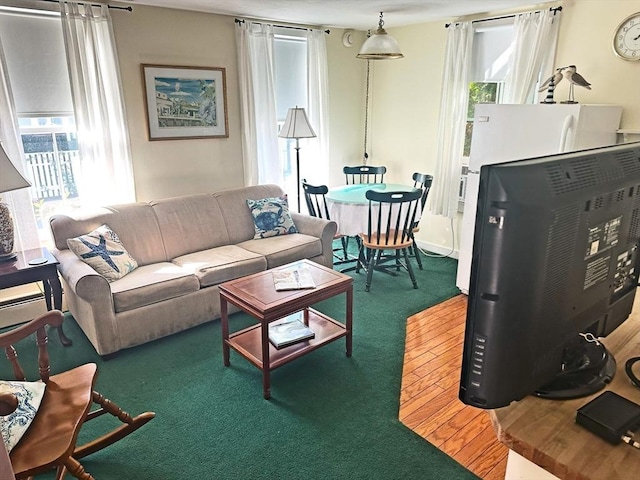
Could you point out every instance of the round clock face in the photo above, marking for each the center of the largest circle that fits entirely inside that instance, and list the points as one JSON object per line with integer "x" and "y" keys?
{"x": 626, "y": 42}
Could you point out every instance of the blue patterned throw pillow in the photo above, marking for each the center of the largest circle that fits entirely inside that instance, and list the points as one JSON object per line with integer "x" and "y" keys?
{"x": 271, "y": 217}
{"x": 104, "y": 252}
{"x": 14, "y": 425}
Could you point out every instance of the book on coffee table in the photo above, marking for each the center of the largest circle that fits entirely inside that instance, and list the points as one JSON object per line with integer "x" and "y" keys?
{"x": 289, "y": 330}
{"x": 295, "y": 278}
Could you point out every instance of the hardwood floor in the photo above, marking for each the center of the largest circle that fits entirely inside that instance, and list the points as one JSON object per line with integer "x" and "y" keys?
{"x": 429, "y": 402}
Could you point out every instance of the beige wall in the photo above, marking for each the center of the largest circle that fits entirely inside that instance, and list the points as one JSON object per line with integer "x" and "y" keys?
{"x": 405, "y": 96}
{"x": 174, "y": 37}
{"x": 347, "y": 81}
{"x": 586, "y": 35}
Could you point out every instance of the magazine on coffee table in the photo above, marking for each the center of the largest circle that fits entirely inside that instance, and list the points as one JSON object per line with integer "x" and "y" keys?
{"x": 294, "y": 278}
{"x": 289, "y": 330}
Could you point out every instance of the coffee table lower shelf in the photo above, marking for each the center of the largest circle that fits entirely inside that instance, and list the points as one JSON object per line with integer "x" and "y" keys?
{"x": 248, "y": 342}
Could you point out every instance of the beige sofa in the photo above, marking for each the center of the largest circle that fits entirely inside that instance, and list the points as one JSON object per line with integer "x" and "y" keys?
{"x": 185, "y": 247}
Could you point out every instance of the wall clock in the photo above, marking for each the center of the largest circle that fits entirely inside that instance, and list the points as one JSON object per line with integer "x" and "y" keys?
{"x": 626, "y": 39}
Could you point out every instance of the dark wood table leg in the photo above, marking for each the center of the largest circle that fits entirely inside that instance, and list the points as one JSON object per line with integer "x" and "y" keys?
{"x": 53, "y": 289}
{"x": 266, "y": 364}
{"x": 224, "y": 320}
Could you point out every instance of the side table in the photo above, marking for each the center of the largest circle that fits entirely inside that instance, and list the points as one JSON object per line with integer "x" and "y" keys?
{"x": 20, "y": 272}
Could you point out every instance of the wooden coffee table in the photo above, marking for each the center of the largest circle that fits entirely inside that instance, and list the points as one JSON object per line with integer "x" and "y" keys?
{"x": 257, "y": 296}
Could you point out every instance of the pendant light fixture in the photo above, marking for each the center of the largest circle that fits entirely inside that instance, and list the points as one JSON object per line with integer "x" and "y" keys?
{"x": 380, "y": 45}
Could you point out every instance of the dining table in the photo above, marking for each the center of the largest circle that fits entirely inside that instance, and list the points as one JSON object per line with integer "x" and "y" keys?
{"x": 349, "y": 208}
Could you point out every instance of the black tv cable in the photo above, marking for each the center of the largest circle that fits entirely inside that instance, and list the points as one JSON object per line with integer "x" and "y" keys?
{"x": 628, "y": 370}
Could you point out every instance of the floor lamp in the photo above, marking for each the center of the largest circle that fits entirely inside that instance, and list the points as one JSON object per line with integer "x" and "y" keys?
{"x": 297, "y": 126}
{"x": 10, "y": 179}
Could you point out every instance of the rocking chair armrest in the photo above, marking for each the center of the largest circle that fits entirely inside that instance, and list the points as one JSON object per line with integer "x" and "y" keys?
{"x": 53, "y": 318}
{"x": 8, "y": 403}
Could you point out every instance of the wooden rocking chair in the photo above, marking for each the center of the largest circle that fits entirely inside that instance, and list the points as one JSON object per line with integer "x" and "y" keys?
{"x": 50, "y": 441}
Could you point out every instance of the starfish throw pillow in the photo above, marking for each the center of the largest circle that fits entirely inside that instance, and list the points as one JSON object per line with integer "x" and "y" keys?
{"x": 104, "y": 252}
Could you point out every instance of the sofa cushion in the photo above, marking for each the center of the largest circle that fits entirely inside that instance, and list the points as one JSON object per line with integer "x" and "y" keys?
{"x": 217, "y": 265}
{"x": 271, "y": 217}
{"x": 285, "y": 248}
{"x": 190, "y": 224}
{"x": 14, "y": 425}
{"x": 151, "y": 284}
{"x": 104, "y": 252}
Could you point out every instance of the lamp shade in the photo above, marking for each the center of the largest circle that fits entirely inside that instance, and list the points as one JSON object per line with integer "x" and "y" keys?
{"x": 380, "y": 45}
{"x": 10, "y": 177}
{"x": 296, "y": 125}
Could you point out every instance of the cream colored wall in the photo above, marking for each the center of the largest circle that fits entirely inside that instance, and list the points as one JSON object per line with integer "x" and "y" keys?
{"x": 347, "y": 81}
{"x": 586, "y": 34}
{"x": 406, "y": 113}
{"x": 161, "y": 36}
{"x": 407, "y": 93}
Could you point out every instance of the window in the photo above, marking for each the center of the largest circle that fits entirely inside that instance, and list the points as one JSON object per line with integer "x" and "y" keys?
{"x": 479, "y": 92}
{"x": 51, "y": 158}
{"x": 290, "y": 58}
{"x": 290, "y": 72}
{"x": 492, "y": 46}
{"x": 42, "y": 97}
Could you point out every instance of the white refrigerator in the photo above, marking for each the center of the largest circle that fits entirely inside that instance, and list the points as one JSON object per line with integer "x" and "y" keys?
{"x": 512, "y": 132}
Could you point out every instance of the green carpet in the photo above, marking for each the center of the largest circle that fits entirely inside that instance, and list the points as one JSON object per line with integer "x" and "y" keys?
{"x": 330, "y": 417}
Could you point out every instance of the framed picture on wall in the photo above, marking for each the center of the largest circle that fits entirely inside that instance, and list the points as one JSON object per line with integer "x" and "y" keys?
{"x": 185, "y": 102}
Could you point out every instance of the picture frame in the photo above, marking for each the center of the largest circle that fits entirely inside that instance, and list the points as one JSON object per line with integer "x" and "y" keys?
{"x": 185, "y": 102}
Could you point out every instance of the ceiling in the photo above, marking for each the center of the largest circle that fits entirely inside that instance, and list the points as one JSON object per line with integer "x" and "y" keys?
{"x": 358, "y": 14}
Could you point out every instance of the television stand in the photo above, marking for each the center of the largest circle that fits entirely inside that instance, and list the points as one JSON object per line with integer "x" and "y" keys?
{"x": 545, "y": 432}
{"x": 587, "y": 367}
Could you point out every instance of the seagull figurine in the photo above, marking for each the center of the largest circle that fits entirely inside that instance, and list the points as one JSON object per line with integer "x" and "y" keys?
{"x": 574, "y": 78}
{"x": 556, "y": 77}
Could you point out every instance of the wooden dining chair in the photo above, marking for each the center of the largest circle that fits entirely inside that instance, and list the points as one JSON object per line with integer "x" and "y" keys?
{"x": 50, "y": 441}
{"x": 315, "y": 198}
{"x": 391, "y": 219}
{"x": 422, "y": 181}
{"x": 364, "y": 174}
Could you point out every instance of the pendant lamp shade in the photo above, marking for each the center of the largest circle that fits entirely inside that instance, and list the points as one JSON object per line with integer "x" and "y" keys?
{"x": 10, "y": 179}
{"x": 380, "y": 45}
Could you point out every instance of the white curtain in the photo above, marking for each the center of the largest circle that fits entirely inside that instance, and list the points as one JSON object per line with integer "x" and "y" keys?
{"x": 18, "y": 201}
{"x": 257, "y": 104}
{"x": 534, "y": 48}
{"x": 316, "y": 164}
{"x": 106, "y": 175}
{"x": 453, "y": 117}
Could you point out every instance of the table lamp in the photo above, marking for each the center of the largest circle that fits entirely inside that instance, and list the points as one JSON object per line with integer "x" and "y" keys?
{"x": 10, "y": 179}
{"x": 296, "y": 125}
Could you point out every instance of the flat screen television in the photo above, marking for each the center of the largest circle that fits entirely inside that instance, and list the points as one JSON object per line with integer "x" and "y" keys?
{"x": 554, "y": 268}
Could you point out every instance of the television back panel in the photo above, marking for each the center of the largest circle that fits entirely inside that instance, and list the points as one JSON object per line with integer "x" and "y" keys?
{"x": 555, "y": 254}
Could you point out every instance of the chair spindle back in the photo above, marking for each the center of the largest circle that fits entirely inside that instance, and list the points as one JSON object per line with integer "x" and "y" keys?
{"x": 8, "y": 339}
{"x": 364, "y": 174}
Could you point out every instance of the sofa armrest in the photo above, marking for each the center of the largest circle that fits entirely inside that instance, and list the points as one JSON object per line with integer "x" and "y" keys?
{"x": 325, "y": 230}
{"x": 81, "y": 278}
